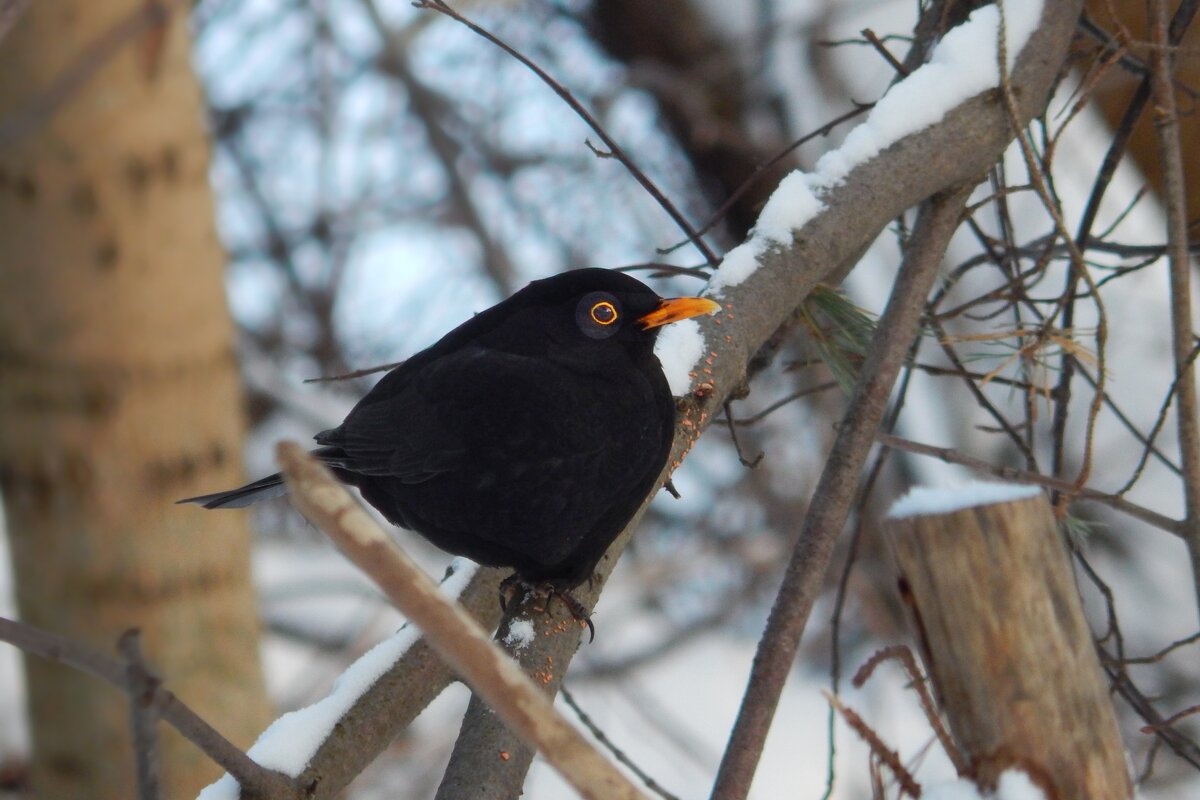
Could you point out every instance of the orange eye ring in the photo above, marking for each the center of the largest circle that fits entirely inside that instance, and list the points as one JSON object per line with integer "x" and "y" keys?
{"x": 603, "y": 313}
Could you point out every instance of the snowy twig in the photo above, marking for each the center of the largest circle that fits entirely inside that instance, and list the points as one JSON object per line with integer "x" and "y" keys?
{"x": 166, "y": 706}
{"x": 453, "y": 633}
{"x": 951, "y": 456}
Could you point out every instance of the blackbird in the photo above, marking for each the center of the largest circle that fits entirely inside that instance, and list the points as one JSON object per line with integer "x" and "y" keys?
{"x": 526, "y": 437}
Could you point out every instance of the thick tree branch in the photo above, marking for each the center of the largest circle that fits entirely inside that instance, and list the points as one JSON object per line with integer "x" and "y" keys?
{"x": 456, "y": 636}
{"x": 395, "y": 700}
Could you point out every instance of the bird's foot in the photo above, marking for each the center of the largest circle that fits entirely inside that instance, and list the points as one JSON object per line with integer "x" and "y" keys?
{"x": 514, "y": 587}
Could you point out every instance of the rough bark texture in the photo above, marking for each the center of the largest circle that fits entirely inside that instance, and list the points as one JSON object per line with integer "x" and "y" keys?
{"x": 118, "y": 393}
{"x": 1002, "y": 633}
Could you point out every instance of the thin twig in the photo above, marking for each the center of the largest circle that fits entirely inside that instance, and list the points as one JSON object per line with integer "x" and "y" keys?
{"x": 617, "y": 752}
{"x": 1181, "y": 745}
{"x": 1166, "y": 126}
{"x": 889, "y": 757}
{"x": 171, "y": 709}
{"x": 1166, "y": 651}
{"x": 141, "y": 687}
{"x": 1171, "y": 720}
{"x": 881, "y": 48}
{"x": 920, "y": 683}
{"x": 1160, "y": 422}
{"x": 358, "y": 373}
{"x": 563, "y": 92}
{"x": 737, "y": 446}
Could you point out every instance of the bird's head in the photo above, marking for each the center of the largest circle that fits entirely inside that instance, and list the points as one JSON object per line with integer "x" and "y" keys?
{"x": 589, "y": 306}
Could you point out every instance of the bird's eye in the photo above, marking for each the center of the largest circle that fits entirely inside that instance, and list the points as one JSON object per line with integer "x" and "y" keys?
{"x": 603, "y": 313}
{"x": 598, "y": 315}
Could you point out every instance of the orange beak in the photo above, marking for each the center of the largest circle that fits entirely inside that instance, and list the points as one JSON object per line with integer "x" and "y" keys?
{"x": 675, "y": 309}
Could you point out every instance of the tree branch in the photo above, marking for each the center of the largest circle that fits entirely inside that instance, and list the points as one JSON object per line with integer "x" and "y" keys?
{"x": 1166, "y": 128}
{"x": 169, "y": 708}
{"x": 456, "y": 636}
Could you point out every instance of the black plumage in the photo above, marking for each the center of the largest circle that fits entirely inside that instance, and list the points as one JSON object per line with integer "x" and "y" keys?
{"x": 526, "y": 437}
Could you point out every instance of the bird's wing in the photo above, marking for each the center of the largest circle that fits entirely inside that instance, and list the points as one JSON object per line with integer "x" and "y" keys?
{"x": 444, "y": 414}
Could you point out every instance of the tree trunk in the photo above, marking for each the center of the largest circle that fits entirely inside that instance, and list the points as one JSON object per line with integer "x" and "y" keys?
{"x": 118, "y": 389}
{"x": 1001, "y": 629}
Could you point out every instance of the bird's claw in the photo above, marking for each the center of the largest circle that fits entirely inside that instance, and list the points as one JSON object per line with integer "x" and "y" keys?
{"x": 514, "y": 583}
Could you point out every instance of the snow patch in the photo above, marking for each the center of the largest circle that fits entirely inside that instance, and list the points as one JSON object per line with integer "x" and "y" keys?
{"x": 679, "y": 348}
{"x": 965, "y": 63}
{"x": 1013, "y": 785}
{"x": 289, "y": 742}
{"x": 520, "y": 634}
{"x": 928, "y": 500}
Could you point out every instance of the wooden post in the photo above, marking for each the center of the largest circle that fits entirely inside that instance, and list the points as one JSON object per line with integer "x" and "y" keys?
{"x": 1001, "y": 630}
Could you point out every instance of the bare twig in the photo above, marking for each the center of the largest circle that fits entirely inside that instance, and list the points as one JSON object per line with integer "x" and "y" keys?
{"x": 1181, "y": 745}
{"x": 358, "y": 373}
{"x": 614, "y": 149}
{"x": 1163, "y": 653}
{"x": 617, "y": 752}
{"x": 765, "y": 169}
{"x": 1171, "y": 720}
{"x": 451, "y": 631}
{"x": 908, "y": 661}
{"x": 881, "y": 48}
{"x": 737, "y": 446}
{"x": 1166, "y": 126}
{"x": 170, "y": 708}
{"x": 141, "y": 687}
{"x": 889, "y": 757}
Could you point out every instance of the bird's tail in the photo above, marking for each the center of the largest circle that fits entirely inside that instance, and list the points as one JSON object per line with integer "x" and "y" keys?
{"x": 261, "y": 489}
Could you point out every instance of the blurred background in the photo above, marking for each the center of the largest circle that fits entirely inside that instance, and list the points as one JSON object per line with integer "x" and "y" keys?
{"x": 355, "y": 177}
